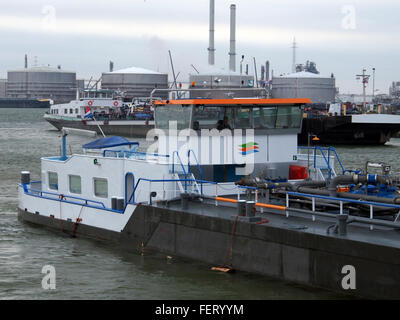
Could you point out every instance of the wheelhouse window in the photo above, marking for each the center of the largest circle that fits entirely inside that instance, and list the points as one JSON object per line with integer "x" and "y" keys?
{"x": 206, "y": 117}
{"x": 243, "y": 118}
{"x": 180, "y": 114}
{"x": 265, "y": 117}
{"x": 75, "y": 184}
{"x": 100, "y": 187}
{"x": 288, "y": 117}
{"x": 53, "y": 180}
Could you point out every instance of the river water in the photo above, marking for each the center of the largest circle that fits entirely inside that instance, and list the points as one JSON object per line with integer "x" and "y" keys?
{"x": 87, "y": 269}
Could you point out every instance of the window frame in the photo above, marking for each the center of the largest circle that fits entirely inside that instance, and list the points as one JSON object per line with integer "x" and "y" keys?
{"x": 48, "y": 180}
{"x": 69, "y": 183}
{"x": 94, "y": 187}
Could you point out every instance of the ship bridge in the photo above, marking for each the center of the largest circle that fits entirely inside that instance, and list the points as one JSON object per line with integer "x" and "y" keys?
{"x": 226, "y": 134}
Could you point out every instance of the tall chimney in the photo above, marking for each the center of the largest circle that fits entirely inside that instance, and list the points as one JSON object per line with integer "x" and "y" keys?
{"x": 111, "y": 66}
{"x": 232, "y": 53}
{"x": 26, "y": 61}
{"x": 211, "y": 49}
{"x": 267, "y": 71}
{"x": 294, "y": 47}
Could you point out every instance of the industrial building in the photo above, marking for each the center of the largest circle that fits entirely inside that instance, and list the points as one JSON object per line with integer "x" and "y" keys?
{"x": 135, "y": 82}
{"x": 303, "y": 84}
{"x": 42, "y": 83}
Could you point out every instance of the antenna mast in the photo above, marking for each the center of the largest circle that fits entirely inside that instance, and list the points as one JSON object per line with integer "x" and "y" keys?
{"x": 365, "y": 78}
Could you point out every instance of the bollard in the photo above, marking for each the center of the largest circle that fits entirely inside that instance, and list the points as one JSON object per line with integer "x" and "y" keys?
{"x": 120, "y": 204}
{"x": 250, "y": 208}
{"x": 25, "y": 177}
{"x": 342, "y": 224}
{"x": 114, "y": 203}
{"x": 241, "y": 206}
{"x": 185, "y": 200}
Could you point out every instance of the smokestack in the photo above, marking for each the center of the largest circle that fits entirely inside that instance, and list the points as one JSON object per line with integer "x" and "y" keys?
{"x": 211, "y": 49}
{"x": 294, "y": 47}
{"x": 232, "y": 53}
{"x": 26, "y": 61}
{"x": 111, "y": 66}
{"x": 267, "y": 71}
{"x": 262, "y": 73}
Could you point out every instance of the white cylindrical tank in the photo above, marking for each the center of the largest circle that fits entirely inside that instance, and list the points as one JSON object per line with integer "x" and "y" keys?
{"x": 319, "y": 89}
{"x": 135, "y": 82}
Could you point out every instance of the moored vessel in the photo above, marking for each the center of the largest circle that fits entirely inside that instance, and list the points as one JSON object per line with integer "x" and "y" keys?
{"x": 225, "y": 183}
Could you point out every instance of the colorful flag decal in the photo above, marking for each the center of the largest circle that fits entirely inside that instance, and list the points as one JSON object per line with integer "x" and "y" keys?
{"x": 248, "y": 148}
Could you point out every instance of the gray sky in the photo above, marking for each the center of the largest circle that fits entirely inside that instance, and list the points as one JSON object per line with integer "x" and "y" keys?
{"x": 342, "y": 37}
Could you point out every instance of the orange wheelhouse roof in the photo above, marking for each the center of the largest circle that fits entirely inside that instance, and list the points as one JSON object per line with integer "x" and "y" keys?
{"x": 232, "y": 101}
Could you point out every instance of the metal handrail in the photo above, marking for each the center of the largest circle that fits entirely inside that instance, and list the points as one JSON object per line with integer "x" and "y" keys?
{"x": 325, "y": 157}
{"x": 61, "y": 197}
{"x": 371, "y": 204}
{"x": 198, "y": 166}
{"x": 204, "y": 89}
{"x": 135, "y": 153}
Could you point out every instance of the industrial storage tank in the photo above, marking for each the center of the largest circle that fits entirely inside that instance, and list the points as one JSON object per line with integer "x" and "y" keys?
{"x": 42, "y": 83}
{"x": 318, "y": 88}
{"x": 135, "y": 82}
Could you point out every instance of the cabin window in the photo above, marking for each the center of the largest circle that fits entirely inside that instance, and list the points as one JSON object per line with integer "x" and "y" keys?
{"x": 100, "y": 187}
{"x": 75, "y": 184}
{"x": 264, "y": 118}
{"x": 53, "y": 180}
{"x": 65, "y": 111}
{"x": 76, "y": 110}
{"x": 288, "y": 117}
{"x": 206, "y": 117}
{"x": 243, "y": 118}
{"x": 180, "y": 114}
{"x": 71, "y": 111}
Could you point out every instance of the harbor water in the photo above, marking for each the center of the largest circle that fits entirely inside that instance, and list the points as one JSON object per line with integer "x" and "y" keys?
{"x": 88, "y": 269}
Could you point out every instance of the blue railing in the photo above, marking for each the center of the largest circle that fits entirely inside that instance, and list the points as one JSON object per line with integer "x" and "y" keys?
{"x": 381, "y": 204}
{"x": 182, "y": 166}
{"x": 326, "y": 157}
{"x": 167, "y": 180}
{"x": 198, "y": 167}
{"x": 66, "y": 198}
{"x": 128, "y": 154}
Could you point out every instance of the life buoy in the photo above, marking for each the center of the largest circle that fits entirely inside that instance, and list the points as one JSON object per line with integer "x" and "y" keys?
{"x": 90, "y": 103}
{"x": 116, "y": 103}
